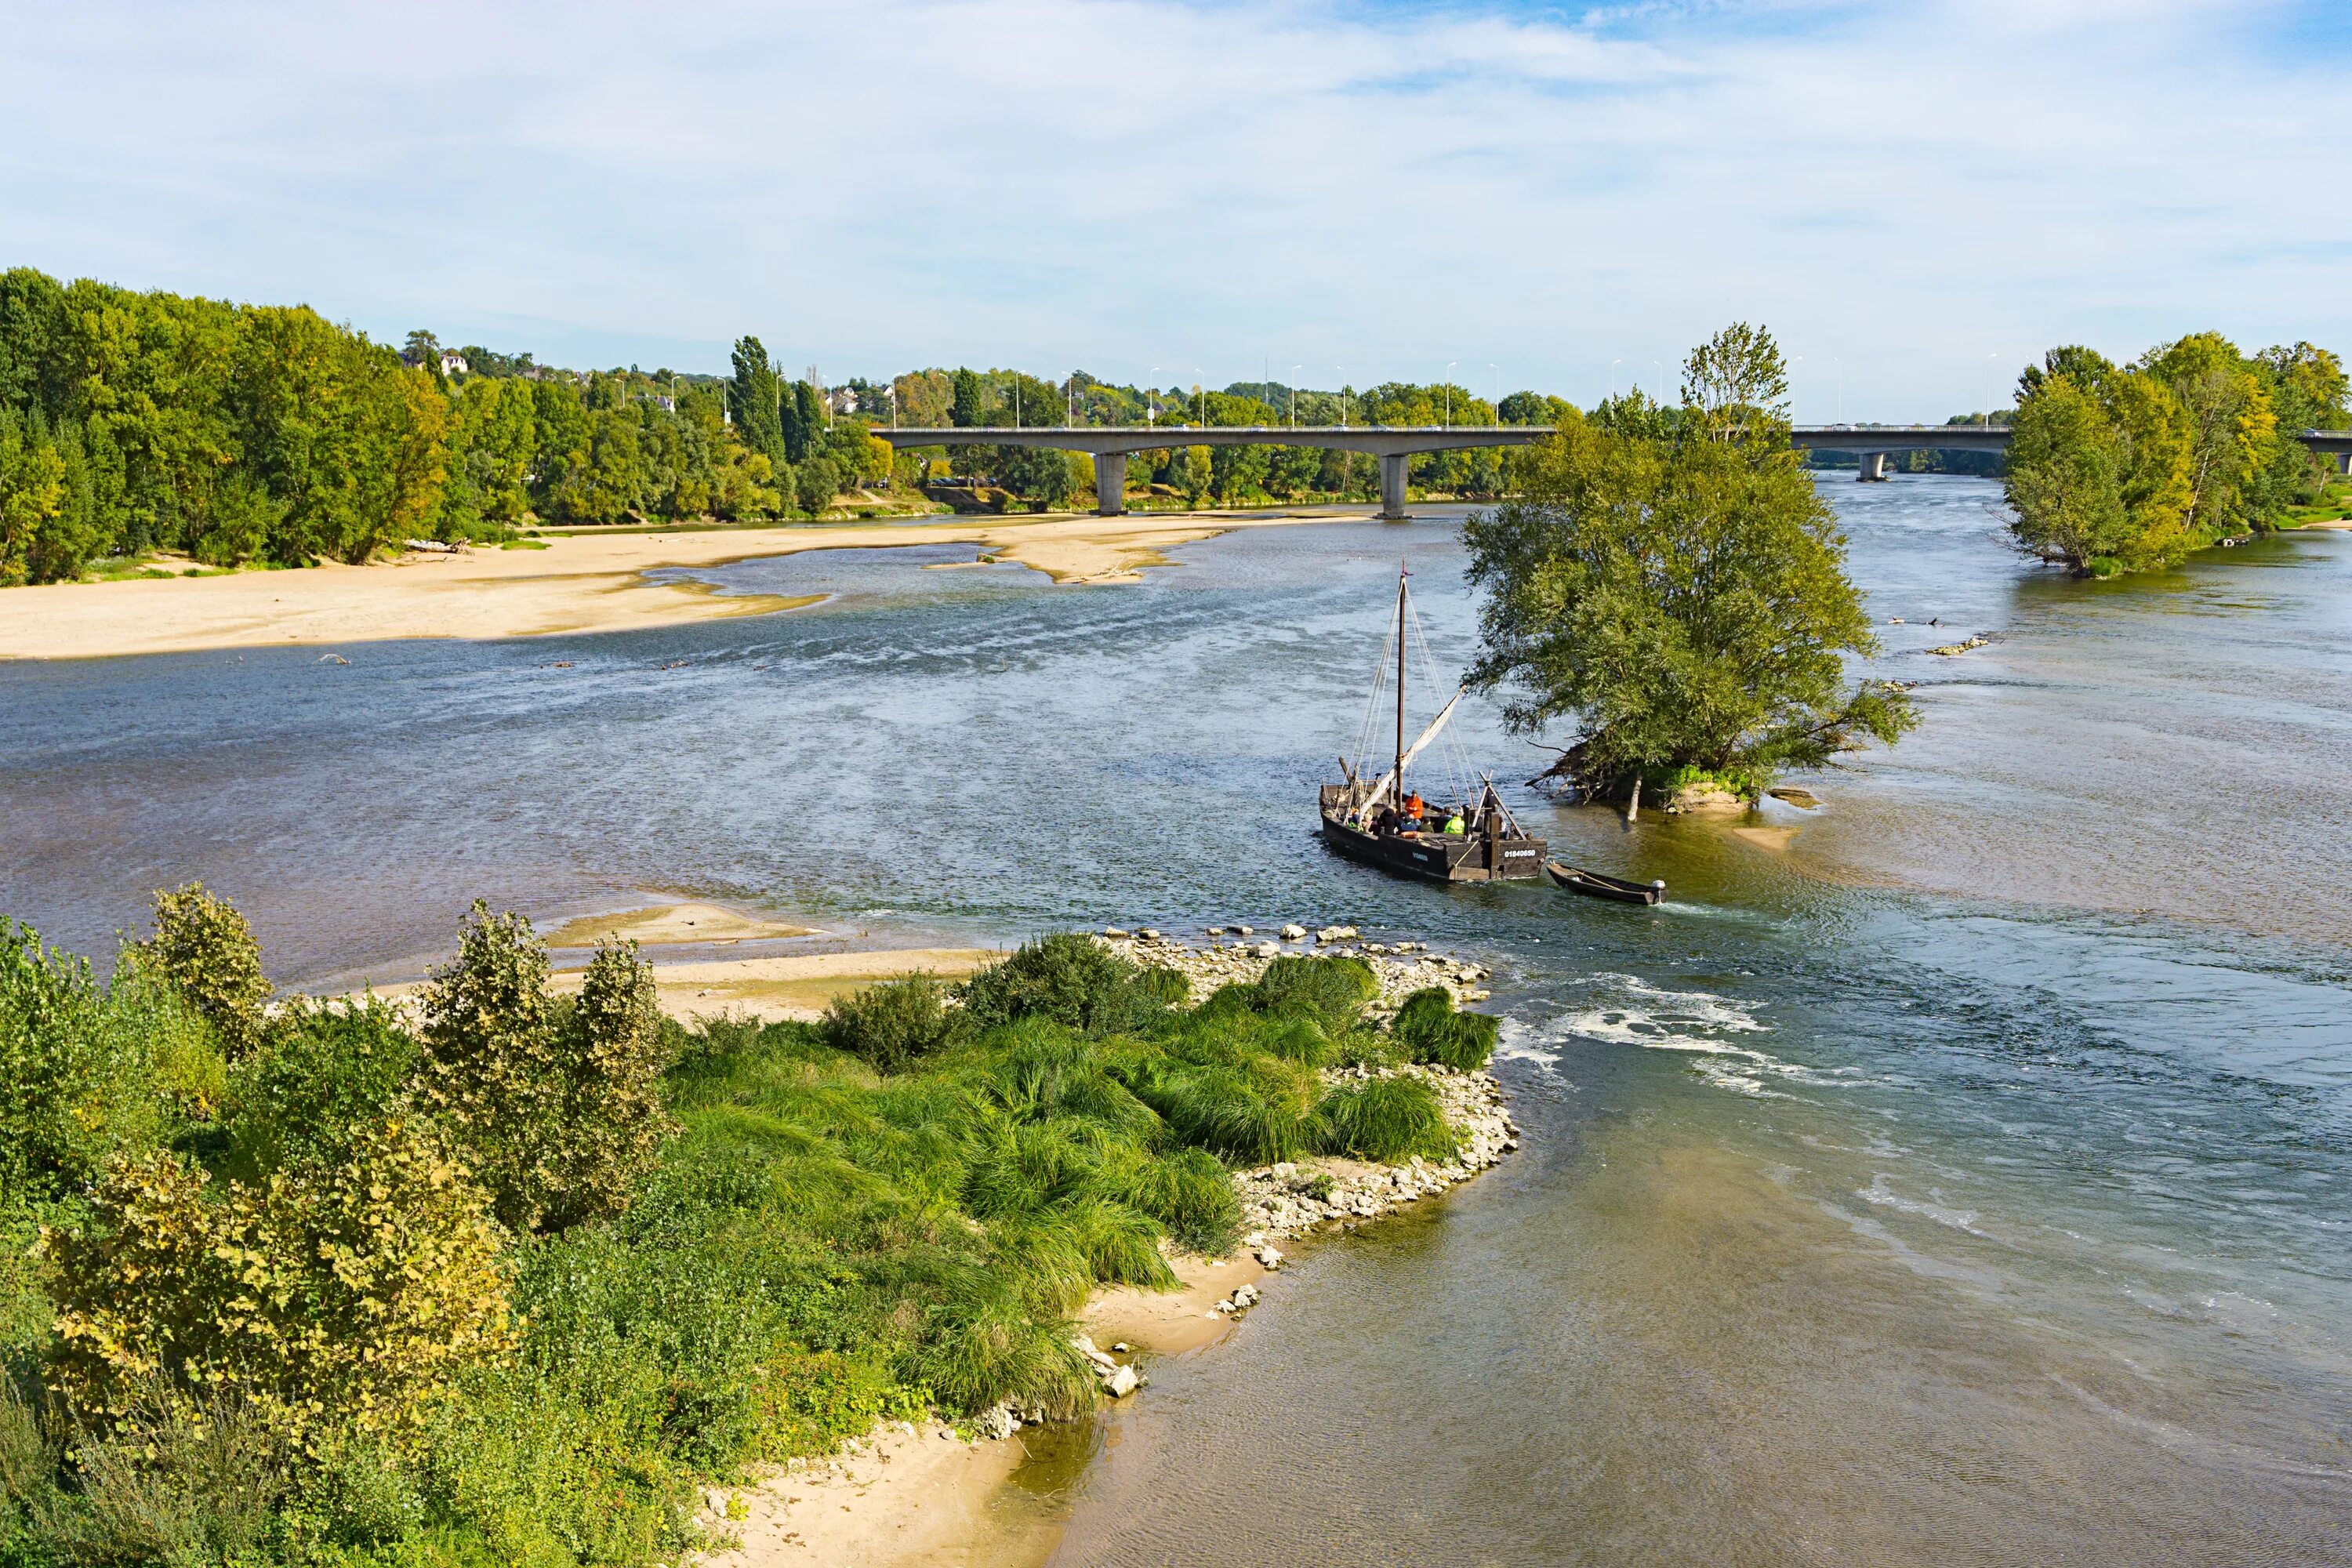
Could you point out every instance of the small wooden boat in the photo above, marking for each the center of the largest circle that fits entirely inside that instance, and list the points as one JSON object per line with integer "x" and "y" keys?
{"x": 1592, "y": 884}
{"x": 1379, "y": 822}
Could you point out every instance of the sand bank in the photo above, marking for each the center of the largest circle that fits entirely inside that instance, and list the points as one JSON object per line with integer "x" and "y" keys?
{"x": 797, "y": 986}
{"x": 579, "y": 582}
{"x": 672, "y": 925}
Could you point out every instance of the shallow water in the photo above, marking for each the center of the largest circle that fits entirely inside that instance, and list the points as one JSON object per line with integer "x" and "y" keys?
{"x": 1968, "y": 1182}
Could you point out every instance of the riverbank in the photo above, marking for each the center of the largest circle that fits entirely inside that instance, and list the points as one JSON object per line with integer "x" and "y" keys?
{"x": 579, "y": 583}
{"x": 908, "y": 1493}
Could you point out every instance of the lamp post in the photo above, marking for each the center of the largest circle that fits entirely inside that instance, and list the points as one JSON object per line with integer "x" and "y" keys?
{"x": 1343, "y": 394}
{"x": 1499, "y": 390}
{"x": 1201, "y": 392}
{"x": 1294, "y": 395}
{"x": 894, "y": 405}
{"x": 1449, "y": 393}
{"x": 1840, "y": 387}
{"x": 1070, "y": 401}
{"x": 1151, "y": 400}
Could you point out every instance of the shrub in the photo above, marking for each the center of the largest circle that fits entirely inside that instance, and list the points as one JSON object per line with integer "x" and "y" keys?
{"x": 331, "y": 1293}
{"x": 895, "y": 1025}
{"x": 1257, "y": 1112}
{"x": 1432, "y": 1032}
{"x": 1067, "y": 977}
{"x": 325, "y": 1068}
{"x": 88, "y": 1074}
{"x": 1385, "y": 1120}
{"x": 1164, "y": 985}
{"x": 1333, "y": 990}
{"x": 558, "y": 1109}
{"x": 183, "y": 1478}
{"x": 205, "y": 948}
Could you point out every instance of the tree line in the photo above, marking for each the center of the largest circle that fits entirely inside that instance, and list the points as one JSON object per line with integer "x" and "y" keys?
{"x": 2131, "y": 468}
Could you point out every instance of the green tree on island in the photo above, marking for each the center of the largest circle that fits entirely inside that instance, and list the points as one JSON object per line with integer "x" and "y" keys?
{"x": 2116, "y": 468}
{"x": 1671, "y": 583}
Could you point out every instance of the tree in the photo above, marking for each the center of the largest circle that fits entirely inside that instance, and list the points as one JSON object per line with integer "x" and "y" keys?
{"x": 2234, "y": 432}
{"x": 1680, "y": 597}
{"x": 203, "y": 947}
{"x": 555, "y": 1106}
{"x": 804, "y": 423}
{"x": 2064, "y": 480}
{"x": 963, "y": 411}
{"x": 755, "y": 400}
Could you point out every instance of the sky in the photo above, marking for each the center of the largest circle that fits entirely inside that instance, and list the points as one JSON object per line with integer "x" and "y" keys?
{"x": 1917, "y": 198}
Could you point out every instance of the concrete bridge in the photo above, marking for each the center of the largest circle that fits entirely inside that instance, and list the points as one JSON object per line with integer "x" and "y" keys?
{"x": 1110, "y": 446}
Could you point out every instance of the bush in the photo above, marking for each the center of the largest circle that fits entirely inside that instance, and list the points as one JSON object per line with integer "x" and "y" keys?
{"x": 88, "y": 1074}
{"x": 1432, "y": 1033}
{"x": 1188, "y": 1192}
{"x": 1257, "y": 1112}
{"x": 895, "y": 1025}
{"x": 1068, "y": 978}
{"x": 1166, "y": 986}
{"x": 1332, "y": 990}
{"x": 324, "y": 1069}
{"x": 558, "y": 1109}
{"x": 331, "y": 1293}
{"x": 1385, "y": 1120}
{"x": 205, "y": 948}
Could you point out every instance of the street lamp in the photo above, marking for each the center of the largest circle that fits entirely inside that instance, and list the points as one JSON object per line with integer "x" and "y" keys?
{"x": 1449, "y": 393}
{"x": 1294, "y": 395}
{"x": 1151, "y": 400}
{"x": 1499, "y": 390}
{"x": 1200, "y": 391}
{"x": 1070, "y": 401}
{"x": 1343, "y": 394}
{"x": 894, "y": 405}
{"x": 1840, "y": 387}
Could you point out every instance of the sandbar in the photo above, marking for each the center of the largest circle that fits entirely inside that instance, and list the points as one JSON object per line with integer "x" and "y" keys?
{"x": 579, "y": 582}
{"x": 672, "y": 924}
{"x": 795, "y": 986}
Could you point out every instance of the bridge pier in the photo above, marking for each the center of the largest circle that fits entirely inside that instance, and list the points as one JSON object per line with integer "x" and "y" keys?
{"x": 1873, "y": 468}
{"x": 2343, "y": 462}
{"x": 1392, "y": 488}
{"x": 1110, "y": 483}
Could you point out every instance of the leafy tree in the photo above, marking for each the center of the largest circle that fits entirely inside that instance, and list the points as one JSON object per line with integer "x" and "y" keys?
{"x": 2065, "y": 478}
{"x": 1682, "y": 598}
{"x": 963, "y": 410}
{"x": 205, "y": 949}
{"x": 2234, "y": 432}
{"x": 754, "y": 399}
{"x": 555, "y": 1107}
{"x": 815, "y": 484}
{"x": 803, "y": 421}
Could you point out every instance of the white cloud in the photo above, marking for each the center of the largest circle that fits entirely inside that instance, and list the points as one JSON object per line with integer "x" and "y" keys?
{"x": 1132, "y": 183}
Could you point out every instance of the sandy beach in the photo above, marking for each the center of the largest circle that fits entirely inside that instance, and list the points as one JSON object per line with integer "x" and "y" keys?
{"x": 579, "y": 583}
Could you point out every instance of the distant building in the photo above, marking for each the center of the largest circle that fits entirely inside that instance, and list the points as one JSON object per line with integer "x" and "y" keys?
{"x": 844, "y": 400}
{"x": 454, "y": 363}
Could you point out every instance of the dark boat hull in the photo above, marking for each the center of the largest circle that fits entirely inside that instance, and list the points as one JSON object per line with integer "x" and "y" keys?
{"x": 1593, "y": 885}
{"x": 1438, "y": 856}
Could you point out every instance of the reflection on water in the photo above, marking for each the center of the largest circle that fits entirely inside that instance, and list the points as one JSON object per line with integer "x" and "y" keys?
{"x": 1967, "y": 1181}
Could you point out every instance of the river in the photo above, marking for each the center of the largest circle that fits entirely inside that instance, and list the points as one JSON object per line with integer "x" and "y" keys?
{"x": 1964, "y": 1178}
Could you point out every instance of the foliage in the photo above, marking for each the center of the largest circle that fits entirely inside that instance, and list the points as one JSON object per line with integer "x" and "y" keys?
{"x": 556, "y": 1108}
{"x": 1681, "y": 595}
{"x": 329, "y": 1293}
{"x": 2135, "y": 468}
{"x": 896, "y": 1023}
{"x": 202, "y": 946}
{"x": 1387, "y": 1120}
{"x": 1066, "y": 977}
{"x": 288, "y": 1331}
{"x": 1432, "y": 1031}
{"x": 88, "y": 1073}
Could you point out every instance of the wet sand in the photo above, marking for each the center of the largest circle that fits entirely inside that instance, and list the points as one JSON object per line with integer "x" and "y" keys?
{"x": 579, "y": 582}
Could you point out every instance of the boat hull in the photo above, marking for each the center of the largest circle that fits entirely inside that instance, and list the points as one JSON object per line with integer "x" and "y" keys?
{"x": 1593, "y": 885}
{"x": 1438, "y": 856}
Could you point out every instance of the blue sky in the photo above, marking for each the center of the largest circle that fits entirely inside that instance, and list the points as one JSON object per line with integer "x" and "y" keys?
{"x": 1918, "y": 198}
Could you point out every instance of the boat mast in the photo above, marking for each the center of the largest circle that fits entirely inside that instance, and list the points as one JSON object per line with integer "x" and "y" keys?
{"x": 1400, "y": 727}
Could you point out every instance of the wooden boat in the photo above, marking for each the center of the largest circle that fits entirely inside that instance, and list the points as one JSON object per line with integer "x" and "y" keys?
{"x": 1592, "y": 884}
{"x": 1382, "y": 823}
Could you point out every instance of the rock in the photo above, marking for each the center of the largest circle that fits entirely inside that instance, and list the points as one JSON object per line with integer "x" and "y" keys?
{"x": 1244, "y": 931}
{"x": 1216, "y": 931}
{"x": 1113, "y": 932}
{"x": 1121, "y": 1383}
{"x": 1293, "y": 932}
{"x": 1268, "y": 1256}
{"x": 1147, "y": 934}
{"x": 1120, "y": 1346}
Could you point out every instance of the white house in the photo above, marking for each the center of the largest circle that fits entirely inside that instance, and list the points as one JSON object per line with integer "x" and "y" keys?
{"x": 454, "y": 363}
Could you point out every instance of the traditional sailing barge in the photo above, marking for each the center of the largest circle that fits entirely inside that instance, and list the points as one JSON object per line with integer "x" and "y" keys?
{"x": 1381, "y": 822}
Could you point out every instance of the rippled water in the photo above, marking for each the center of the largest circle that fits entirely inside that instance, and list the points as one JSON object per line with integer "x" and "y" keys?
{"x": 1967, "y": 1181}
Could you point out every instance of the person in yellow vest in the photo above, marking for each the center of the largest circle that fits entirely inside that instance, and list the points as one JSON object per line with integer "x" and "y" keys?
{"x": 1454, "y": 824}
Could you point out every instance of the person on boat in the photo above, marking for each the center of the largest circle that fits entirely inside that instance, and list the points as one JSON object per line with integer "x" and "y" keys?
{"x": 1454, "y": 824}
{"x": 1412, "y": 807}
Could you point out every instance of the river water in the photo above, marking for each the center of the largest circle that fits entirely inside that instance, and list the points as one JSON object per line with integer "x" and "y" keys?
{"x": 1965, "y": 1178}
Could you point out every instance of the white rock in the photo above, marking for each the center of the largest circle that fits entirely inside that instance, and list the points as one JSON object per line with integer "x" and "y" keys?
{"x": 1147, "y": 934}
{"x": 1269, "y": 1257}
{"x": 1244, "y": 931}
{"x": 1113, "y": 932}
{"x": 1293, "y": 932}
{"x": 1121, "y": 1383}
